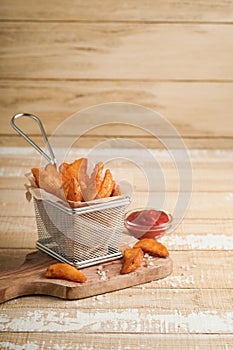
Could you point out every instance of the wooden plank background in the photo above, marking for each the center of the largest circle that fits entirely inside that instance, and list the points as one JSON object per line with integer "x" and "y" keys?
{"x": 109, "y": 10}
{"x": 191, "y": 308}
{"x": 176, "y": 57}
{"x": 172, "y": 56}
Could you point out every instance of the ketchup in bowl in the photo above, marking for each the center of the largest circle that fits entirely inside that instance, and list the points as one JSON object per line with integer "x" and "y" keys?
{"x": 147, "y": 223}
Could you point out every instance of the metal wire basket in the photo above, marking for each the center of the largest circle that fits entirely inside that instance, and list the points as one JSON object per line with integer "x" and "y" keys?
{"x": 82, "y": 236}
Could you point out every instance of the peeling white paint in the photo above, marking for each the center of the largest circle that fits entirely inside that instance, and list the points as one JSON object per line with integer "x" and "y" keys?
{"x": 111, "y": 321}
{"x": 42, "y": 346}
{"x": 12, "y": 346}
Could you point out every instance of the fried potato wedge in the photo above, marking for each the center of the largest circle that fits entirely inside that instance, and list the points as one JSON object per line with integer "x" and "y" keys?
{"x": 72, "y": 190}
{"x": 91, "y": 186}
{"x": 66, "y": 272}
{"x": 116, "y": 191}
{"x": 73, "y": 184}
{"x": 132, "y": 259}
{"x": 70, "y": 170}
{"x": 107, "y": 185}
{"x": 152, "y": 247}
{"x": 36, "y": 175}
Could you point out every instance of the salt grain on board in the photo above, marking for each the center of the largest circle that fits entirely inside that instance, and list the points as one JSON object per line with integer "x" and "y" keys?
{"x": 102, "y": 273}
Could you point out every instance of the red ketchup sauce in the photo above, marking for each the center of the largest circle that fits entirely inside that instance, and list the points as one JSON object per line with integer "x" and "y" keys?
{"x": 148, "y": 223}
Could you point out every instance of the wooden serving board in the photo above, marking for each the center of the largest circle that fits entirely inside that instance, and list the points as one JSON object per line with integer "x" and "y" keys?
{"x": 29, "y": 278}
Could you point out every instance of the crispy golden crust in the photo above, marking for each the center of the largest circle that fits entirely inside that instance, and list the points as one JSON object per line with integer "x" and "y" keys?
{"x": 107, "y": 185}
{"x": 132, "y": 259}
{"x": 90, "y": 186}
{"x": 152, "y": 247}
{"x": 36, "y": 175}
{"x": 72, "y": 190}
{"x": 66, "y": 272}
{"x": 71, "y": 170}
{"x": 116, "y": 191}
{"x": 72, "y": 182}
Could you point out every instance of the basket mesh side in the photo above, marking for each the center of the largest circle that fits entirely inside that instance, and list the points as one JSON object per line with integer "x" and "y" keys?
{"x": 81, "y": 236}
{"x": 54, "y": 229}
{"x": 98, "y": 233}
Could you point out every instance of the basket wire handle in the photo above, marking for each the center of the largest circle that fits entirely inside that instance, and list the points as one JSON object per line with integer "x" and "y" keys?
{"x": 50, "y": 158}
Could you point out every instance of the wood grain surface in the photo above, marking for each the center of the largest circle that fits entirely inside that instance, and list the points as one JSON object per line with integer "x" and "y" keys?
{"x": 172, "y": 56}
{"x": 168, "y": 341}
{"x": 187, "y": 308}
{"x": 109, "y": 10}
{"x": 194, "y": 108}
{"x": 116, "y": 51}
{"x": 30, "y": 278}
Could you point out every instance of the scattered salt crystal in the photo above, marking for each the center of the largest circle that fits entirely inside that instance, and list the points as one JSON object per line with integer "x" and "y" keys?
{"x": 147, "y": 260}
{"x": 229, "y": 196}
{"x": 100, "y": 268}
{"x": 104, "y": 277}
{"x": 151, "y": 262}
{"x": 103, "y": 274}
{"x": 186, "y": 267}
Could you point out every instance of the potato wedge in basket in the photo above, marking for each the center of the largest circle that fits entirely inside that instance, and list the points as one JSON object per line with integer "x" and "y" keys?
{"x": 72, "y": 183}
